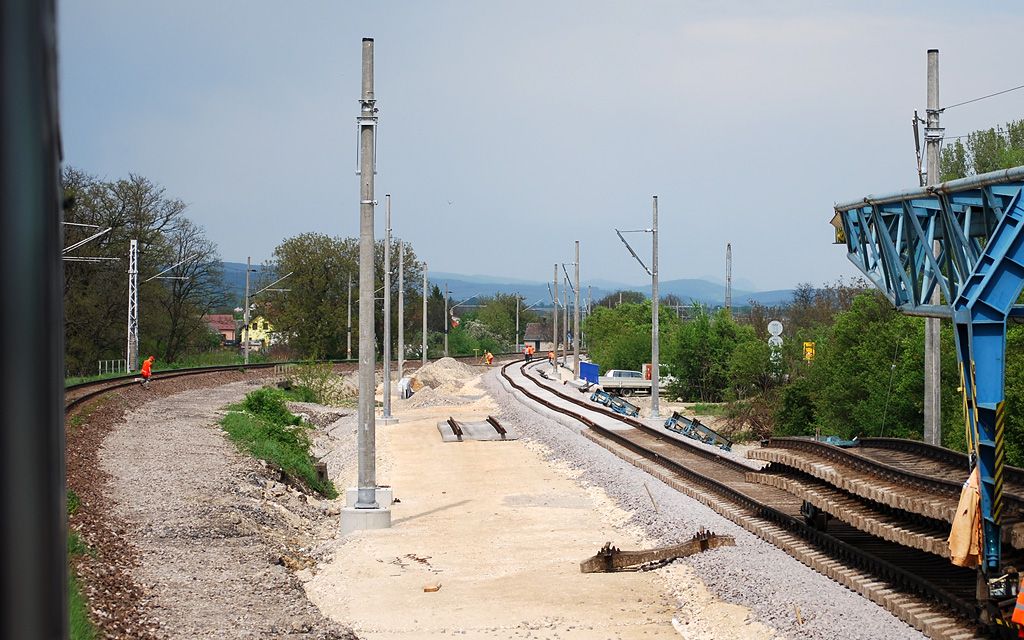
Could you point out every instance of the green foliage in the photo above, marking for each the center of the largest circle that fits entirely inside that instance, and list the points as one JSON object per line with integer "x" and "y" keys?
{"x": 170, "y": 311}
{"x": 985, "y": 150}
{"x": 620, "y": 337}
{"x": 613, "y": 300}
{"x": 268, "y": 404}
{"x": 72, "y": 503}
{"x": 313, "y": 315}
{"x": 707, "y": 409}
{"x": 276, "y": 439}
{"x": 699, "y": 352}
{"x": 80, "y": 626}
{"x": 498, "y": 316}
{"x": 316, "y": 382}
{"x": 1014, "y": 437}
{"x": 867, "y": 378}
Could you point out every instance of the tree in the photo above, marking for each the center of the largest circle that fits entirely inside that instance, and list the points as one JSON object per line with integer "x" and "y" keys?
{"x": 985, "y": 150}
{"x": 698, "y": 354}
{"x": 612, "y": 300}
{"x": 96, "y": 293}
{"x": 313, "y": 315}
{"x": 195, "y": 290}
{"x": 498, "y": 314}
{"x": 867, "y": 378}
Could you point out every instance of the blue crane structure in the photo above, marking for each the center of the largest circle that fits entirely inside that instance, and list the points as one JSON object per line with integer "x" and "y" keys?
{"x": 965, "y": 239}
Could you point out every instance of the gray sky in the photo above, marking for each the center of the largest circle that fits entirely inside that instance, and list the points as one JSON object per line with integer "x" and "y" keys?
{"x": 508, "y": 130}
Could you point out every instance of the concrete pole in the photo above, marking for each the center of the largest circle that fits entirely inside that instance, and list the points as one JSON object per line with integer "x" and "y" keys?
{"x": 565, "y": 320}
{"x": 132, "y": 354}
{"x": 401, "y": 310}
{"x": 554, "y": 329}
{"x": 386, "y": 356}
{"x": 655, "y": 370}
{"x": 349, "y": 351}
{"x": 576, "y": 320}
{"x": 517, "y": 321}
{"x": 447, "y": 320}
{"x": 366, "y": 430}
{"x": 932, "y": 337}
{"x": 424, "y": 354}
{"x": 245, "y": 313}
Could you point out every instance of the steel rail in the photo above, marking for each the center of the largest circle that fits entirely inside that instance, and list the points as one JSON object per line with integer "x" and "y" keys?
{"x": 837, "y": 549}
{"x": 942, "y": 486}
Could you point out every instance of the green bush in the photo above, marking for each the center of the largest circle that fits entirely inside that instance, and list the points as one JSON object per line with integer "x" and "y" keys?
{"x": 268, "y": 404}
{"x": 267, "y": 430}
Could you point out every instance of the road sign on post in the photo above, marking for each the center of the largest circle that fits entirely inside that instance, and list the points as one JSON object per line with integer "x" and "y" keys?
{"x": 808, "y": 351}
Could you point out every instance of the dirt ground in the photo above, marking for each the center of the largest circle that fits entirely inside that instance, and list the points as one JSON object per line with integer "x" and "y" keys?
{"x": 209, "y": 543}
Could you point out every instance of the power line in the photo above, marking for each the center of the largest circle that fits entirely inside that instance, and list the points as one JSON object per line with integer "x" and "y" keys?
{"x": 991, "y": 95}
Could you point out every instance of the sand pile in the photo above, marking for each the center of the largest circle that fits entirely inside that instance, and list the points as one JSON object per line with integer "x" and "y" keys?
{"x": 446, "y": 375}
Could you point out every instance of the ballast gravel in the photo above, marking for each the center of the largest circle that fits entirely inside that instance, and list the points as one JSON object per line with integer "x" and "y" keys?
{"x": 783, "y": 593}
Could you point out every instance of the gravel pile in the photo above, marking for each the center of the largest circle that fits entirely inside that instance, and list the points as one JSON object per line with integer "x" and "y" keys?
{"x": 754, "y": 573}
{"x": 446, "y": 375}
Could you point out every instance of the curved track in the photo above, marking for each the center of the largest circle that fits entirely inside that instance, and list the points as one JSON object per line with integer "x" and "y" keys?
{"x": 923, "y": 589}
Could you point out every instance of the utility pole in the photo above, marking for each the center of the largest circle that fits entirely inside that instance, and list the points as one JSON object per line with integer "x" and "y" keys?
{"x": 424, "y": 354}
{"x": 401, "y": 310}
{"x": 245, "y": 312}
{"x": 565, "y": 318}
{"x": 447, "y": 320}
{"x": 349, "y": 352}
{"x": 387, "y": 308}
{"x": 517, "y": 320}
{"x": 576, "y": 319}
{"x": 132, "y": 353}
{"x": 728, "y": 277}
{"x": 367, "y": 498}
{"x": 655, "y": 367}
{"x": 554, "y": 329}
{"x": 932, "y": 340}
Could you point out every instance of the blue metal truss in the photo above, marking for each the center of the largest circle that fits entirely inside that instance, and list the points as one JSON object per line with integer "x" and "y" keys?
{"x": 978, "y": 268}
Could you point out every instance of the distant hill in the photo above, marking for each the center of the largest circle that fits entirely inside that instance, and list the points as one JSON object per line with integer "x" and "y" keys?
{"x": 462, "y": 287}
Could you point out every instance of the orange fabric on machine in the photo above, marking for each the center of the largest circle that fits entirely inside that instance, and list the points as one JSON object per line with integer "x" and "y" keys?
{"x": 965, "y": 535}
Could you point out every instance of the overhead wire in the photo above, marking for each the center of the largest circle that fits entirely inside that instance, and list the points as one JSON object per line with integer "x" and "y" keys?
{"x": 991, "y": 95}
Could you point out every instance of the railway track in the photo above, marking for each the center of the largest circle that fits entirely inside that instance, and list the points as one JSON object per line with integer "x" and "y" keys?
{"x": 77, "y": 394}
{"x": 920, "y": 587}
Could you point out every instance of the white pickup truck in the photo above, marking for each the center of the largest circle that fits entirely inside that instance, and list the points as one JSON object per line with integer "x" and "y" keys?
{"x": 622, "y": 382}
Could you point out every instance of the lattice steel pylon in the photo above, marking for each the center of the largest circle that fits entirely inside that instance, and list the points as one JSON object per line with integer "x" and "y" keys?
{"x": 979, "y": 270}
{"x": 132, "y": 353}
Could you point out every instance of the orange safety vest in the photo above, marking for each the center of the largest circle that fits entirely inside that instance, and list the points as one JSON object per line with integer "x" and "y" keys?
{"x": 145, "y": 368}
{"x": 531, "y": 349}
{"x": 1018, "y": 609}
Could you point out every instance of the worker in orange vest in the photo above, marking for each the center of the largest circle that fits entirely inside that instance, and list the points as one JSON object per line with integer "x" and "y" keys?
{"x": 1018, "y": 613}
{"x": 530, "y": 347}
{"x": 490, "y": 357}
{"x": 147, "y": 371}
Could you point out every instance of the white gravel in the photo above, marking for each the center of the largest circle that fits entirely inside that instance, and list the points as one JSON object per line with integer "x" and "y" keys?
{"x": 754, "y": 573}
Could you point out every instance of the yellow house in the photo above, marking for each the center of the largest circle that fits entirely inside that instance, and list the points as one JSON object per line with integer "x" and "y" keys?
{"x": 261, "y": 333}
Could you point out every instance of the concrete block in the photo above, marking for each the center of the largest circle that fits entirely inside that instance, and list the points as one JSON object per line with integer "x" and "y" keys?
{"x": 358, "y": 519}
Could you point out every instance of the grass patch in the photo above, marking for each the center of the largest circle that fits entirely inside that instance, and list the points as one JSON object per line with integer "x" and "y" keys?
{"x": 82, "y": 627}
{"x": 708, "y": 409}
{"x": 73, "y": 503}
{"x": 267, "y": 430}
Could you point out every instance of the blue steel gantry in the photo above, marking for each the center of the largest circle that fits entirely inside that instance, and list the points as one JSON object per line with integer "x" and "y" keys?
{"x": 977, "y": 225}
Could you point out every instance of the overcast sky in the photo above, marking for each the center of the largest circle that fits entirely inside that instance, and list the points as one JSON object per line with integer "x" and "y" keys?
{"x": 509, "y": 130}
